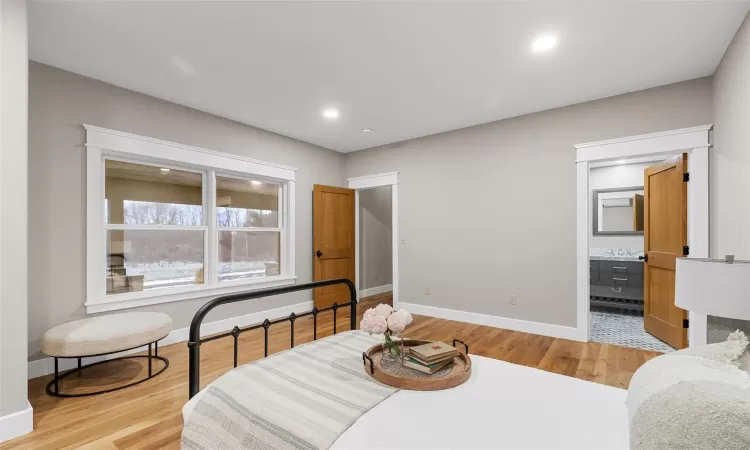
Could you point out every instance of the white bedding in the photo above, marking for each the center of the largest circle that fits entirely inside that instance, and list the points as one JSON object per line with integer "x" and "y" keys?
{"x": 502, "y": 406}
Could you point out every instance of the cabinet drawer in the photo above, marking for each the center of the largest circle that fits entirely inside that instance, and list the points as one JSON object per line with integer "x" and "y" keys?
{"x": 631, "y": 293}
{"x": 621, "y": 280}
{"x": 621, "y": 267}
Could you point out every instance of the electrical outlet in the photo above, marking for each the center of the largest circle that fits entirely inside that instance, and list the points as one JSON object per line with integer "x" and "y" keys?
{"x": 427, "y": 291}
{"x": 403, "y": 240}
{"x": 512, "y": 299}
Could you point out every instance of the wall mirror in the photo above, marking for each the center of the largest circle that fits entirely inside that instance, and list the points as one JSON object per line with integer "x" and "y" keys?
{"x": 618, "y": 212}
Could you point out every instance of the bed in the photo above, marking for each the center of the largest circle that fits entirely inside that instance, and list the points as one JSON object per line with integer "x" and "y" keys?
{"x": 317, "y": 395}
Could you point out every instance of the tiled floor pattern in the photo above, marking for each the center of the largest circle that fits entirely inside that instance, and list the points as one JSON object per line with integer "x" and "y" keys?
{"x": 624, "y": 330}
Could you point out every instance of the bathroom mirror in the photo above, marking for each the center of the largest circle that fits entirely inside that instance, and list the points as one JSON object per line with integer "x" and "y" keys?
{"x": 618, "y": 212}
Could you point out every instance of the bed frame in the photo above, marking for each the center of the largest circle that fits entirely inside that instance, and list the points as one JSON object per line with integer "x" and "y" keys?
{"x": 195, "y": 341}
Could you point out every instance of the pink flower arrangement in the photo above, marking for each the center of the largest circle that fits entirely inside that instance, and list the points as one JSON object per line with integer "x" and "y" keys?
{"x": 373, "y": 323}
{"x": 398, "y": 321}
{"x": 384, "y": 320}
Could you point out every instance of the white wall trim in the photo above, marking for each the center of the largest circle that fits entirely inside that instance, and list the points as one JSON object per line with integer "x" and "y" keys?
{"x": 372, "y": 181}
{"x": 120, "y": 140}
{"x": 189, "y": 292}
{"x": 645, "y": 144}
{"x": 17, "y": 424}
{"x": 46, "y": 366}
{"x": 584, "y": 215}
{"x": 394, "y": 243}
{"x": 375, "y": 290}
{"x": 696, "y": 142}
{"x": 507, "y": 323}
{"x": 369, "y": 182}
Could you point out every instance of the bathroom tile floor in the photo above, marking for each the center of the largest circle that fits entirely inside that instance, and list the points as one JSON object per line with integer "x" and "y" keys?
{"x": 624, "y": 330}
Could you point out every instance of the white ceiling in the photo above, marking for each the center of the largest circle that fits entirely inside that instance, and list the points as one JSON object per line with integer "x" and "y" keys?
{"x": 403, "y": 69}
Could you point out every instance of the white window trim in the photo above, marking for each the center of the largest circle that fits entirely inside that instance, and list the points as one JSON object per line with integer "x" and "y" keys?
{"x": 102, "y": 143}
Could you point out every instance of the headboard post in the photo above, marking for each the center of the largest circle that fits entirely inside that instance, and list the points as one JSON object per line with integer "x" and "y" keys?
{"x": 353, "y": 311}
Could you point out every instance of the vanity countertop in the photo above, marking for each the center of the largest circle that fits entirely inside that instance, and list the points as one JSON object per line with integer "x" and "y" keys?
{"x": 613, "y": 258}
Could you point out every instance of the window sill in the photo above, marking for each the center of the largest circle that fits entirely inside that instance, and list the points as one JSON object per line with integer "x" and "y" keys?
{"x": 176, "y": 294}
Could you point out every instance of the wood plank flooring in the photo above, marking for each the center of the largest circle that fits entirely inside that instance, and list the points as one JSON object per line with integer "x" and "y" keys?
{"x": 148, "y": 416}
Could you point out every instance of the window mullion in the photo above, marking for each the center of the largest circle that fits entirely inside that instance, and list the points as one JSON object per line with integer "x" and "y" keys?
{"x": 288, "y": 236}
{"x": 212, "y": 253}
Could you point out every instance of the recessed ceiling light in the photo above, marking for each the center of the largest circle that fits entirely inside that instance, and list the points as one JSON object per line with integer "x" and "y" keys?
{"x": 544, "y": 43}
{"x": 367, "y": 130}
{"x": 331, "y": 113}
{"x": 164, "y": 170}
{"x": 256, "y": 183}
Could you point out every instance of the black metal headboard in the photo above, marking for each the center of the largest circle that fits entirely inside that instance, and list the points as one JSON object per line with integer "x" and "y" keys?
{"x": 195, "y": 341}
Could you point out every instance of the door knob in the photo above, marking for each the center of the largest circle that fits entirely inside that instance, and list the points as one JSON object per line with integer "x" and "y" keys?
{"x": 644, "y": 258}
{"x": 318, "y": 253}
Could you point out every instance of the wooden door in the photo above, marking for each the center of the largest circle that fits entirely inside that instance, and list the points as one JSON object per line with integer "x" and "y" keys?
{"x": 333, "y": 242}
{"x": 664, "y": 239}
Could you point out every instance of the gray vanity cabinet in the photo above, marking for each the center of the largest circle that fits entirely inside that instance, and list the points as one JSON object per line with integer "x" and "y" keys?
{"x": 616, "y": 284}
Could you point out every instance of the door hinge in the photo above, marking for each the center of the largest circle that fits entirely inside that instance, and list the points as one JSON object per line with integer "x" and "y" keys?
{"x": 685, "y": 323}
{"x": 686, "y": 177}
{"x": 686, "y": 250}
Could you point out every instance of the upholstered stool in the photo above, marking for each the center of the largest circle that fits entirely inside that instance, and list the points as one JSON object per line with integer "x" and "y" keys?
{"x": 102, "y": 335}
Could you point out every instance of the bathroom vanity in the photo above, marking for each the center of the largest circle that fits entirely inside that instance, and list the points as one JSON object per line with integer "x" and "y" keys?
{"x": 616, "y": 282}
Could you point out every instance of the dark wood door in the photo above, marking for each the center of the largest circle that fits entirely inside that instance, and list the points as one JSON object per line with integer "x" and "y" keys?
{"x": 664, "y": 236}
{"x": 333, "y": 242}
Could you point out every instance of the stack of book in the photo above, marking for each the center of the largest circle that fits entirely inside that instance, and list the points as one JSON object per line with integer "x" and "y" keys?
{"x": 429, "y": 358}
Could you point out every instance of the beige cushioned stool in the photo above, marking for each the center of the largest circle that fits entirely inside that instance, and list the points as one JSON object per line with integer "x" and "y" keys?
{"x": 105, "y": 334}
{"x": 101, "y": 335}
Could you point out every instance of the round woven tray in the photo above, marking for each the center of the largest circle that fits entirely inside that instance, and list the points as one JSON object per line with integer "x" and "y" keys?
{"x": 392, "y": 373}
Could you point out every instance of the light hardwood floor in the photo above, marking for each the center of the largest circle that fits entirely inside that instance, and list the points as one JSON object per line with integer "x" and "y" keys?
{"x": 148, "y": 416}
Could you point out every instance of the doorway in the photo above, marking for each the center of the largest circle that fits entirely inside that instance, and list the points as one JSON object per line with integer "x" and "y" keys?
{"x": 695, "y": 143}
{"x": 625, "y": 307}
{"x": 376, "y": 226}
{"x": 375, "y": 252}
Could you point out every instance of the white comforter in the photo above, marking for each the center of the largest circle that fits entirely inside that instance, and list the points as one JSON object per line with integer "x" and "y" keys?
{"x": 502, "y": 406}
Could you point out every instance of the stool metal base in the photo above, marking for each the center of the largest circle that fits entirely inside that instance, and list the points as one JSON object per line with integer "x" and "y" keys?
{"x": 53, "y": 387}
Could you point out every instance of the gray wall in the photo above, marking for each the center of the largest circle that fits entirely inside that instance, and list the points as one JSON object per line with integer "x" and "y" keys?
{"x": 59, "y": 103}
{"x": 375, "y": 237}
{"x": 730, "y": 163}
{"x": 13, "y": 207}
{"x": 489, "y": 211}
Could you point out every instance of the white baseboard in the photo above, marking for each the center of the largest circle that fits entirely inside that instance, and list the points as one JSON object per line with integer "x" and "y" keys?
{"x": 375, "y": 290}
{"x": 17, "y": 424}
{"x": 544, "y": 329}
{"x": 46, "y": 366}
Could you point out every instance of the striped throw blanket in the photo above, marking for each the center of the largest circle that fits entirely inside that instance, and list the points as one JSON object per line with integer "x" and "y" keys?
{"x": 303, "y": 398}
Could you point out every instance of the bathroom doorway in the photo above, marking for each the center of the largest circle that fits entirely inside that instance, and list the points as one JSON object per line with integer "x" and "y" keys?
{"x": 687, "y": 200}
{"x": 616, "y": 252}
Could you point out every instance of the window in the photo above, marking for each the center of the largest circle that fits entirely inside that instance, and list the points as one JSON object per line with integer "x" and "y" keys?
{"x": 167, "y": 222}
{"x": 247, "y": 220}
